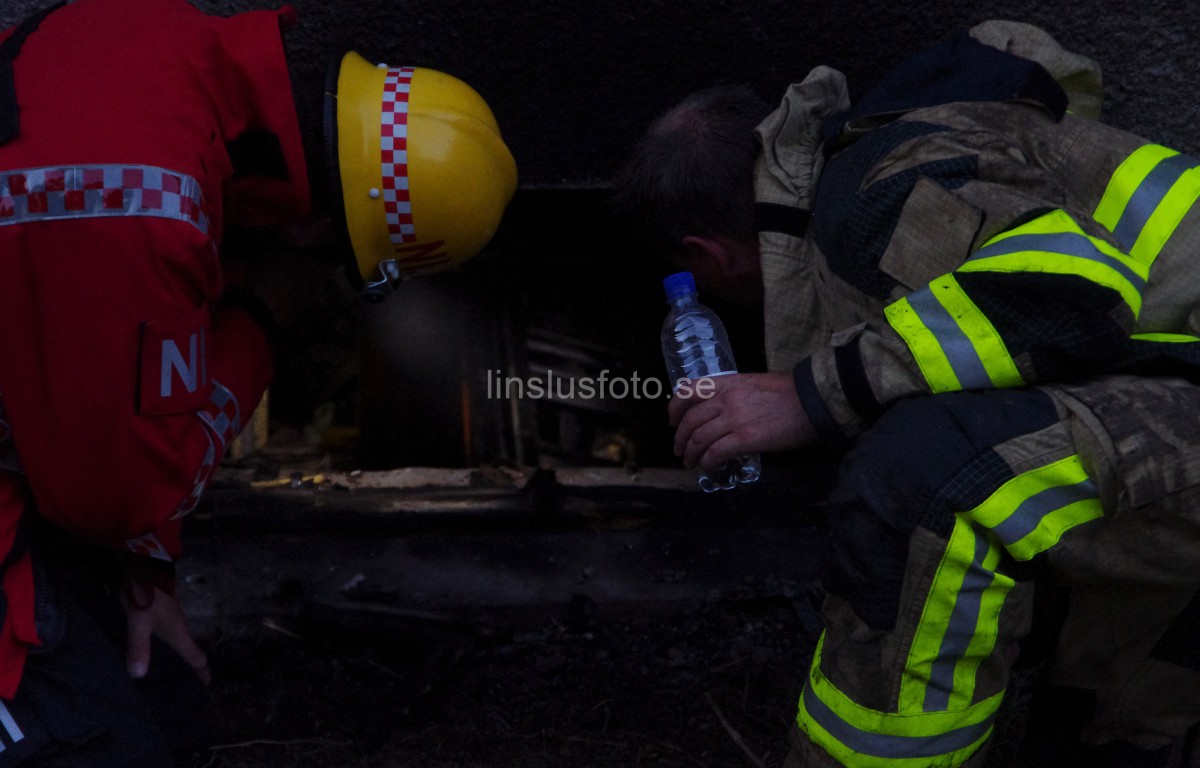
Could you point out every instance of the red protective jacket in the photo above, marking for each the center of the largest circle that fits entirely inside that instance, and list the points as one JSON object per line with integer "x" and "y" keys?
{"x": 122, "y": 377}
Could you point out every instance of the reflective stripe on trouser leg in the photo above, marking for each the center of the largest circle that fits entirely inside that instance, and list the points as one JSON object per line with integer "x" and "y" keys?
{"x": 1026, "y": 515}
{"x": 959, "y": 623}
{"x": 940, "y": 718}
{"x": 860, "y": 737}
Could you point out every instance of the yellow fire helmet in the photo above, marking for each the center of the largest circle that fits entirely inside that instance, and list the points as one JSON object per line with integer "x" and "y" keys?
{"x": 421, "y": 171}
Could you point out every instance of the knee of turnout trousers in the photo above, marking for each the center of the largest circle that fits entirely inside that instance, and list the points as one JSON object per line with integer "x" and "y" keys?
{"x": 938, "y": 507}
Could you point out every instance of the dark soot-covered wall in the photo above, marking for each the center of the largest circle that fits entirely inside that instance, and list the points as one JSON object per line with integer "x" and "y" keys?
{"x": 572, "y": 85}
{"x": 572, "y": 82}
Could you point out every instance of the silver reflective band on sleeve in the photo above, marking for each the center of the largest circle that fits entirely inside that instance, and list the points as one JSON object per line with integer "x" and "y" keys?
{"x": 959, "y": 351}
{"x": 14, "y": 731}
{"x": 1065, "y": 243}
{"x": 1148, "y": 195}
{"x": 960, "y": 630}
{"x": 98, "y": 191}
{"x": 1033, "y": 510}
{"x": 890, "y": 745}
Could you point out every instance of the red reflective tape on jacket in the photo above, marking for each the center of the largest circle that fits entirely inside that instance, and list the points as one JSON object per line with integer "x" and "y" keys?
{"x": 149, "y": 546}
{"x": 223, "y": 417}
{"x": 95, "y": 191}
{"x": 393, "y": 147}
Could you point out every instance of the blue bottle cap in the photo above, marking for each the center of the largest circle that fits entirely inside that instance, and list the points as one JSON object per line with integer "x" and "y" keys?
{"x": 679, "y": 284}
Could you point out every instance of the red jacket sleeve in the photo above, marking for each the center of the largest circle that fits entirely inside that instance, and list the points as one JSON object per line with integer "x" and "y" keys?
{"x": 248, "y": 74}
{"x": 122, "y": 386}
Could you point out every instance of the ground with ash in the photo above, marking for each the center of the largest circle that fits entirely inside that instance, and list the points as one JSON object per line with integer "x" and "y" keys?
{"x": 711, "y": 684}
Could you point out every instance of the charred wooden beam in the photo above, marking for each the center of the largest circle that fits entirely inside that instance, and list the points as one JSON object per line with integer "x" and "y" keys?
{"x": 444, "y": 550}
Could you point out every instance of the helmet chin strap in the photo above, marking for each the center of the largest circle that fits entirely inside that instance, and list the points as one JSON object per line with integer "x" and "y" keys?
{"x": 387, "y": 275}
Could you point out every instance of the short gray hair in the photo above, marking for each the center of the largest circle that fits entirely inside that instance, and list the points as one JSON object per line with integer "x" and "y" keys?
{"x": 692, "y": 172}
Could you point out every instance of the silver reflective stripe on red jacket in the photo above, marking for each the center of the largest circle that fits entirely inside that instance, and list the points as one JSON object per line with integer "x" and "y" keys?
{"x": 96, "y": 191}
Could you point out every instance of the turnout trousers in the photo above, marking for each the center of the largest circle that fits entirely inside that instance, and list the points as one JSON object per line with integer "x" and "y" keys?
{"x": 951, "y": 514}
{"x": 77, "y": 706}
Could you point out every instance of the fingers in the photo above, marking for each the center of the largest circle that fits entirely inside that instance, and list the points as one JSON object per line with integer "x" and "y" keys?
{"x": 140, "y": 627}
{"x": 163, "y": 617}
{"x": 700, "y": 414}
{"x": 681, "y": 401}
{"x": 720, "y": 451}
{"x": 689, "y": 393}
{"x": 697, "y": 414}
{"x": 177, "y": 637}
{"x": 171, "y": 626}
{"x": 709, "y": 434}
{"x": 693, "y": 403}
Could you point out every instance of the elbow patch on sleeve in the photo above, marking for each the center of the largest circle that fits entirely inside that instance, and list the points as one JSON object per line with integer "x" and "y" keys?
{"x": 858, "y": 219}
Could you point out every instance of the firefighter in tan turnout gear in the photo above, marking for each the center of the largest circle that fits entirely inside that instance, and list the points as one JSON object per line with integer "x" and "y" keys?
{"x": 991, "y": 302}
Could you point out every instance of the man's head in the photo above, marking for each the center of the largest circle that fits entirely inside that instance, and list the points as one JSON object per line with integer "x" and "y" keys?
{"x": 688, "y": 189}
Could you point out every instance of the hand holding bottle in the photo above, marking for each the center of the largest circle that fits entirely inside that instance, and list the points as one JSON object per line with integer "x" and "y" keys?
{"x": 695, "y": 346}
{"x": 739, "y": 414}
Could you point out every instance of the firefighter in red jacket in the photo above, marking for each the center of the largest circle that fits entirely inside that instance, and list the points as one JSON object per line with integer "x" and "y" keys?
{"x": 127, "y": 360}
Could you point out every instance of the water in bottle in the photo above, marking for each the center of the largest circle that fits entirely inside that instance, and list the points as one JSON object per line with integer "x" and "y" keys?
{"x": 695, "y": 346}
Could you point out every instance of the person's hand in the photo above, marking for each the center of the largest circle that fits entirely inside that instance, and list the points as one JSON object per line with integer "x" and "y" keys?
{"x": 738, "y": 414}
{"x": 161, "y": 616}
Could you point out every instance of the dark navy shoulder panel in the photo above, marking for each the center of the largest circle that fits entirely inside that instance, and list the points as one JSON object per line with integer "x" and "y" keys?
{"x": 959, "y": 69}
{"x": 853, "y": 224}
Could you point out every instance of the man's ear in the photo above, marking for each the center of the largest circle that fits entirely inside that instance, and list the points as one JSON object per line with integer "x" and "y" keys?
{"x": 711, "y": 253}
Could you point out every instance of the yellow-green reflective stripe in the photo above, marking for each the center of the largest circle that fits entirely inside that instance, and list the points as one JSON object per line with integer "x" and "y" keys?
{"x": 987, "y": 629}
{"x": 958, "y": 626}
{"x": 1054, "y": 243}
{"x": 1125, "y": 181}
{"x": 1147, "y": 197}
{"x": 924, "y": 347}
{"x": 967, "y": 338}
{"x": 1167, "y": 338}
{"x": 936, "y": 614}
{"x": 954, "y": 343}
{"x": 865, "y": 738}
{"x": 1031, "y": 512}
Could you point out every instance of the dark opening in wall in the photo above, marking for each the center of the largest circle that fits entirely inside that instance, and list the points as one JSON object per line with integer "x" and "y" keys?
{"x": 544, "y": 349}
{"x": 514, "y": 357}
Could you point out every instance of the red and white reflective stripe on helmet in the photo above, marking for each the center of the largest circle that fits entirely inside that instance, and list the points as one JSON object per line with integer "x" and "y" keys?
{"x": 393, "y": 146}
{"x": 92, "y": 191}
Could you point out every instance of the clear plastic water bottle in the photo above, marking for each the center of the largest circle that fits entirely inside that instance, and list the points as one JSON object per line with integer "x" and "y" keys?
{"x": 695, "y": 346}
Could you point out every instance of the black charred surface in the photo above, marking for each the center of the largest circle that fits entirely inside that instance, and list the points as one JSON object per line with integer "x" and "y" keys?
{"x": 573, "y": 83}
